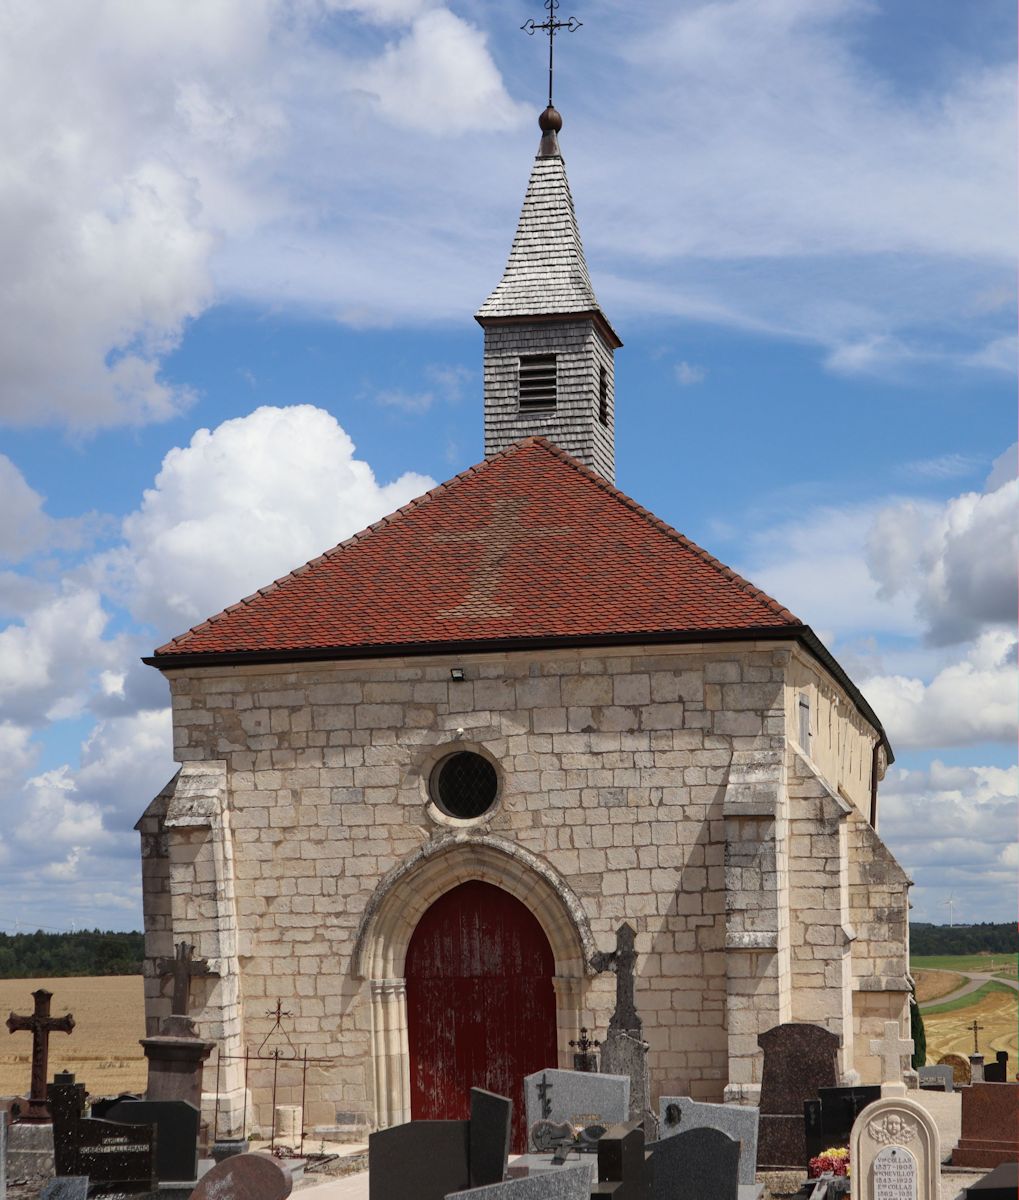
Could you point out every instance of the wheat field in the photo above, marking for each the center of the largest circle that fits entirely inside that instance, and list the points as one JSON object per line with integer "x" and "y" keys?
{"x": 102, "y": 1050}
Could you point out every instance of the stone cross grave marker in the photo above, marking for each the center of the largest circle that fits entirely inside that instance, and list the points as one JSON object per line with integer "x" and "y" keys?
{"x": 895, "y": 1152}
{"x": 40, "y": 1024}
{"x": 182, "y": 968}
{"x": 623, "y": 961}
{"x": 890, "y": 1048}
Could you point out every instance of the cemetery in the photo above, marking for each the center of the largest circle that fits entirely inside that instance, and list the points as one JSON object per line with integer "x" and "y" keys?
{"x": 519, "y": 850}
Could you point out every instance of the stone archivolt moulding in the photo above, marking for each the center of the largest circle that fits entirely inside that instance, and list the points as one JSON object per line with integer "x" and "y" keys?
{"x": 392, "y": 915}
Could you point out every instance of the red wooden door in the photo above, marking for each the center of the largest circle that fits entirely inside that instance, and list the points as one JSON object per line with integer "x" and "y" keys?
{"x": 480, "y": 1004}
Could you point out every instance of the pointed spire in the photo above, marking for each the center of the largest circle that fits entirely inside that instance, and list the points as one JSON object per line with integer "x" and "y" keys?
{"x": 546, "y": 274}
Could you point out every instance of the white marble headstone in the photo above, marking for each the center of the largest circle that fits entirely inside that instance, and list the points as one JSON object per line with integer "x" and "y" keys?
{"x": 895, "y": 1152}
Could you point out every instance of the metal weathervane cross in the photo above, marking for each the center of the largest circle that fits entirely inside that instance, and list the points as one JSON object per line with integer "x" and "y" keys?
{"x": 551, "y": 25}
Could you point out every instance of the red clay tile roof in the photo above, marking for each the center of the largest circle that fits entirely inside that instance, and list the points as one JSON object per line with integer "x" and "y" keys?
{"x": 529, "y": 546}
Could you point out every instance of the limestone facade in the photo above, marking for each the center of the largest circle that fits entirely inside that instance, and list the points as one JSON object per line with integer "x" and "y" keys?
{"x": 663, "y": 785}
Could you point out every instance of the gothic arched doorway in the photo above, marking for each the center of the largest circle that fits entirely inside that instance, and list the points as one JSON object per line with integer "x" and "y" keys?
{"x": 480, "y": 1002}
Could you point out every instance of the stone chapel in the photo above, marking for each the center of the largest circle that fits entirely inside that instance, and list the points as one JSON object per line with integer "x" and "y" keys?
{"x": 424, "y": 777}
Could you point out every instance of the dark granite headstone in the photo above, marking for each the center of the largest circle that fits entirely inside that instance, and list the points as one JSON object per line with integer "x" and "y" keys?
{"x": 177, "y": 1124}
{"x": 245, "y": 1177}
{"x": 700, "y": 1164}
{"x": 997, "y": 1071}
{"x": 430, "y": 1159}
{"x": 624, "y": 1170}
{"x": 99, "y": 1108}
{"x": 66, "y": 1187}
{"x": 1001, "y": 1184}
{"x": 490, "y": 1127}
{"x": 425, "y": 1159}
{"x": 799, "y": 1060}
{"x": 828, "y": 1120}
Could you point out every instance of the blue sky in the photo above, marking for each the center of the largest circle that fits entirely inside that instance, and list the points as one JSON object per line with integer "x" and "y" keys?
{"x": 243, "y": 243}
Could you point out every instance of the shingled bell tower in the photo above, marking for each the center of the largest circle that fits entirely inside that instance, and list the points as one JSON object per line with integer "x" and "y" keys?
{"x": 548, "y": 346}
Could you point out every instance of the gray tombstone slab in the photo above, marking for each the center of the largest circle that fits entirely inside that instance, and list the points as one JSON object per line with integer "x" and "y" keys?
{"x": 565, "y": 1183}
{"x": 66, "y": 1187}
{"x": 3, "y": 1155}
{"x": 580, "y": 1097}
{"x": 700, "y": 1164}
{"x": 677, "y": 1114}
{"x": 938, "y": 1074}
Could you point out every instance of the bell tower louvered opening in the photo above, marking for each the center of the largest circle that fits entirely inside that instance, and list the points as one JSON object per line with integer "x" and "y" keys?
{"x": 548, "y": 346}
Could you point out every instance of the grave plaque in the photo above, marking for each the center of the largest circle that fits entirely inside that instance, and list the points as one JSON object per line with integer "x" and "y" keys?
{"x": 176, "y": 1123}
{"x": 579, "y": 1097}
{"x": 894, "y": 1174}
{"x": 895, "y": 1152}
{"x": 116, "y": 1158}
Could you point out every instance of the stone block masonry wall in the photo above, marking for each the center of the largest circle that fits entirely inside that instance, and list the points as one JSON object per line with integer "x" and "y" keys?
{"x": 820, "y": 931}
{"x": 614, "y": 769}
{"x": 573, "y": 425}
{"x": 879, "y": 909}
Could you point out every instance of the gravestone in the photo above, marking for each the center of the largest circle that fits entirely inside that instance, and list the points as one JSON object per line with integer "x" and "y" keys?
{"x": 677, "y": 1114}
{"x": 3, "y": 1154}
{"x": 567, "y": 1183}
{"x": 990, "y": 1126}
{"x": 116, "y": 1158}
{"x": 940, "y": 1078}
{"x": 245, "y": 1177}
{"x": 997, "y": 1071}
{"x": 624, "y": 1169}
{"x": 960, "y": 1068}
{"x": 66, "y": 1187}
{"x": 829, "y": 1120}
{"x": 176, "y": 1054}
{"x": 1000, "y": 1184}
{"x": 895, "y": 1152}
{"x": 430, "y": 1159}
{"x": 799, "y": 1060}
{"x": 624, "y": 1051}
{"x": 700, "y": 1164}
{"x": 891, "y": 1048}
{"x": 40, "y": 1024}
{"x": 177, "y": 1124}
{"x": 579, "y": 1097}
{"x": 976, "y": 1068}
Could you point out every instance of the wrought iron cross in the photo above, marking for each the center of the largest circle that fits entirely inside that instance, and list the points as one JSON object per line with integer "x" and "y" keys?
{"x": 40, "y": 1024}
{"x": 976, "y": 1029}
{"x": 546, "y": 1104}
{"x": 551, "y": 25}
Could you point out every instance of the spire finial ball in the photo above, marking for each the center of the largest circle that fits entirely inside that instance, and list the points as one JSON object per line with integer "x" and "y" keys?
{"x": 550, "y": 121}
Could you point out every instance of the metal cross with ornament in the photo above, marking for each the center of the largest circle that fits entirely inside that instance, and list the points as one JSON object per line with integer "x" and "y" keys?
{"x": 585, "y": 1059}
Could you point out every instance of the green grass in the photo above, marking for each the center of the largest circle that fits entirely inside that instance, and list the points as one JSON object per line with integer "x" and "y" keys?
{"x": 930, "y": 1010}
{"x": 1004, "y": 964}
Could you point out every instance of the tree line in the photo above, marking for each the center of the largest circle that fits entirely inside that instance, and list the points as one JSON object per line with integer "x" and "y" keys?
{"x": 988, "y": 938}
{"x": 87, "y": 952}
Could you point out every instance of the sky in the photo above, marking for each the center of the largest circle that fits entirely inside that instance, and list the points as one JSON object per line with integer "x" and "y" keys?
{"x": 243, "y": 242}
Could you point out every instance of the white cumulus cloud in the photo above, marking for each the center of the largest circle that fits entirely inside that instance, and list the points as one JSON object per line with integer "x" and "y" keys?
{"x": 973, "y": 700}
{"x": 240, "y": 506}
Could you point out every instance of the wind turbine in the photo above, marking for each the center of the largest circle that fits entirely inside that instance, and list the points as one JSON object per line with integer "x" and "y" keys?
{"x": 950, "y": 905}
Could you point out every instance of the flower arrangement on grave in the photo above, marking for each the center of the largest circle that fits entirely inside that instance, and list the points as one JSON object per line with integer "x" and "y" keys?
{"x": 830, "y": 1162}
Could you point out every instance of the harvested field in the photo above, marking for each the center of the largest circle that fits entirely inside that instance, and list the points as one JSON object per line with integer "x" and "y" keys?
{"x": 932, "y": 984}
{"x": 952, "y": 1032}
{"x": 103, "y": 1049}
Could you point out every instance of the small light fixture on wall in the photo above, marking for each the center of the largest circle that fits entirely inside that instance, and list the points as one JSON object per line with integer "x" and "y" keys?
{"x": 457, "y": 674}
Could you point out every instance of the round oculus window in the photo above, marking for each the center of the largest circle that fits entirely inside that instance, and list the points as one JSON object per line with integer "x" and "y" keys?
{"x": 464, "y": 785}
